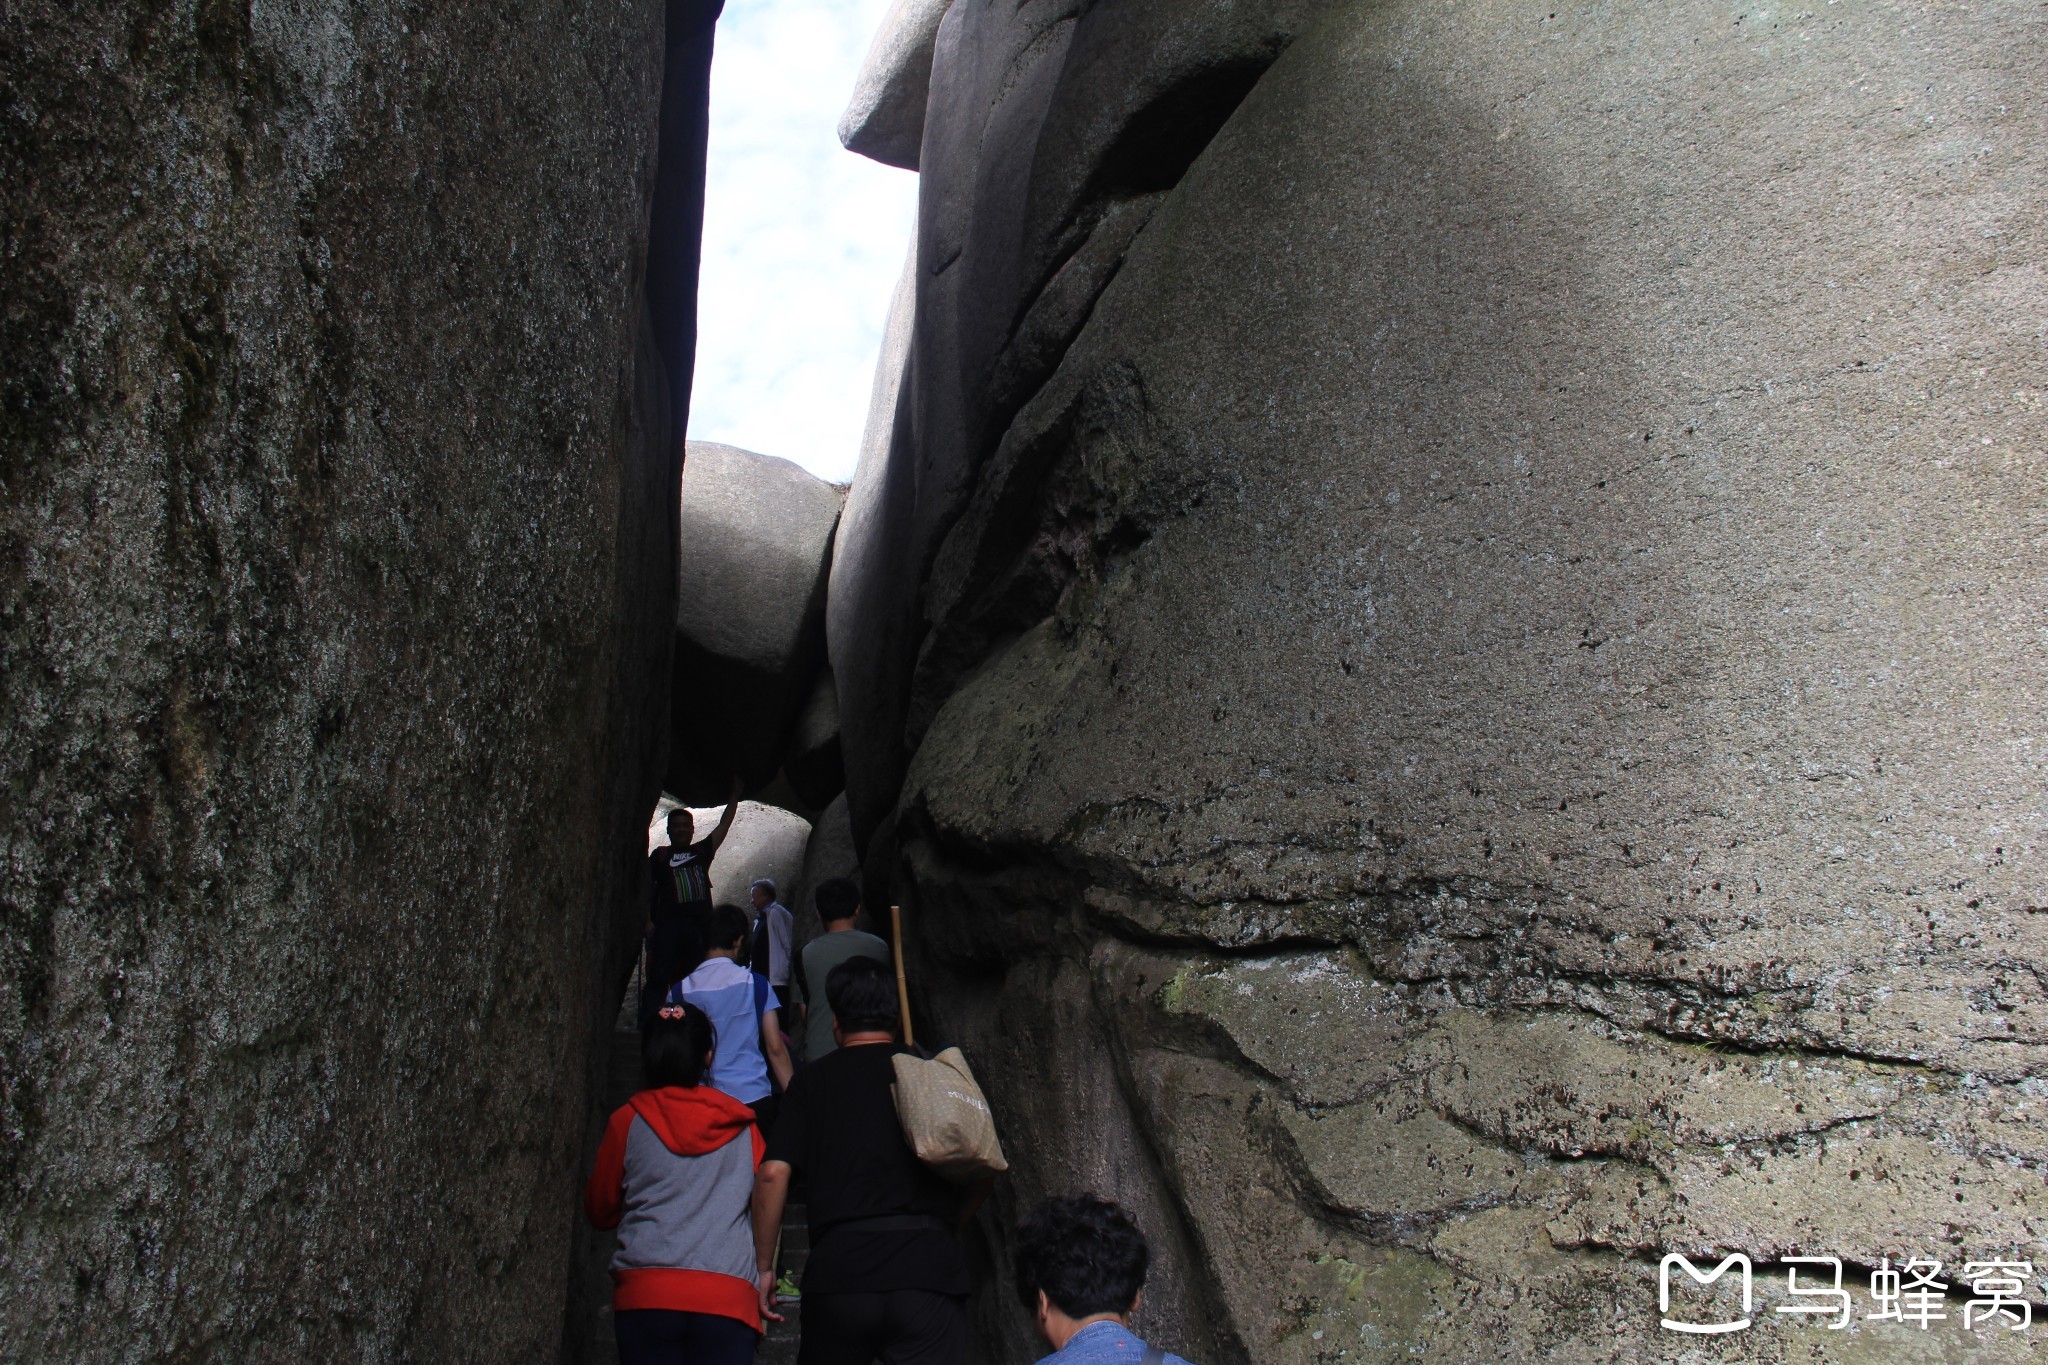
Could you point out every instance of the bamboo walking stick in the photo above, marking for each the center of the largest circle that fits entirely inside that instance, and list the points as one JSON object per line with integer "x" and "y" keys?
{"x": 902, "y": 984}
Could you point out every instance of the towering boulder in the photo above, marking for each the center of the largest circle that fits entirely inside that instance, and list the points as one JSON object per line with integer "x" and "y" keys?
{"x": 1051, "y": 140}
{"x": 328, "y": 494}
{"x": 750, "y": 613}
{"x": 885, "y": 118}
{"x": 1475, "y": 678}
{"x": 869, "y": 625}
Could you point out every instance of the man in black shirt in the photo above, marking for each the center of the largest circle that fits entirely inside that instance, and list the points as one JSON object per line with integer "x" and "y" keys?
{"x": 680, "y": 910}
{"x": 885, "y": 1280}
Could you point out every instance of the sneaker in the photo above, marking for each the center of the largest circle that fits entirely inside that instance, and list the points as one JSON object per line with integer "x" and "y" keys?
{"x": 786, "y": 1290}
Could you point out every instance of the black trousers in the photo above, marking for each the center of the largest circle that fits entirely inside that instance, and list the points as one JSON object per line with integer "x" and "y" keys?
{"x": 659, "y": 1336}
{"x": 902, "y": 1327}
{"x": 674, "y": 950}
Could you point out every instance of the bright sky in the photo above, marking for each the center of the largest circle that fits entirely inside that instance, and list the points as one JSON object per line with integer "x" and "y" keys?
{"x": 803, "y": 240}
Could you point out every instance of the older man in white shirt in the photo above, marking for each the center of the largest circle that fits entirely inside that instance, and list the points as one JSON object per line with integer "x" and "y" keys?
{"x": 775, "y": 931}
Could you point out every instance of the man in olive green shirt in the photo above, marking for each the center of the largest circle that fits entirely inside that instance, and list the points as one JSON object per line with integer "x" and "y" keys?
{"x": 838, "y": 906}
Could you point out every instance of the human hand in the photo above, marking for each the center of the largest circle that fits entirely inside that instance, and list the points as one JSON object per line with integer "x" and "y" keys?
{"x": 764, "y": 1284}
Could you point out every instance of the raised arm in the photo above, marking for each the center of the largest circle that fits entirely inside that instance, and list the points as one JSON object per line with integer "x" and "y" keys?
{"x": 732, "y": 807}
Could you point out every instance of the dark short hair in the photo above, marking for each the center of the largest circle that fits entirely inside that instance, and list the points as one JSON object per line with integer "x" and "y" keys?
{"x": 837, "y": 899}
{"x": 1085, "y": 1253}
{"x": 729, "y": 925}
{"x": 679, "y": 813}
{"x": 862, "y": 993}
{"x": 677, "y": 1049}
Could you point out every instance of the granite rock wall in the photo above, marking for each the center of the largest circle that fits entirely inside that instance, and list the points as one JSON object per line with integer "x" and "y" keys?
{"x": 328, "y": 498}
{"x": 1441, "y": 636}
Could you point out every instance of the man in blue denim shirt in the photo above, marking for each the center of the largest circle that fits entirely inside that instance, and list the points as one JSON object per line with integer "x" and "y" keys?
{"x": 1081, "y": 1262}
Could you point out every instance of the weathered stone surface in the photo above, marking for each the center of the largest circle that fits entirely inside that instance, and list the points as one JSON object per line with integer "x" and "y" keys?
{"x": 829, "y": 853}
{"x": 664, "y": 361}
{"x": 640, "y": 746}
{"x": 884, "y": 119}
{"x": 750, "y": 614}
{"x": 327, "y": 496}
{"x": 1581, "y": 661}
{"x": 758, "y": 530}
{"x": 1038, "y": 1051}
{"x": 867, "y": 629}
{"x": 1017, "y": 236}
{"x": 765, "y": 841}
{"x": 812, "y": 760}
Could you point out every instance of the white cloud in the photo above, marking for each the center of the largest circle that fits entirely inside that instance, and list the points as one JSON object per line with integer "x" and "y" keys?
{"x": 803, "y": 240}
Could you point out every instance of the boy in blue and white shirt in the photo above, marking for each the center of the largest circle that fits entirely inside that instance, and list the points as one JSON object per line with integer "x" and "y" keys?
{"x": 744, "y": 1013}
{"x": 1081, "y": 1263}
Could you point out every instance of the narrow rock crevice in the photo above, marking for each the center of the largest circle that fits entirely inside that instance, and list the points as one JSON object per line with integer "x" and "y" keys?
{"x": 1157, "y": 144}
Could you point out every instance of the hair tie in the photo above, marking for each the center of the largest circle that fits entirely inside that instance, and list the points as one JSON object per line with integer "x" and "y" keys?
{"x": 671, "y": 1012}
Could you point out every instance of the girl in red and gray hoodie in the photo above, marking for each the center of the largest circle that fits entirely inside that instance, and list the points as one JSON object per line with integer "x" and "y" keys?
{"x": 674, "y": 1176}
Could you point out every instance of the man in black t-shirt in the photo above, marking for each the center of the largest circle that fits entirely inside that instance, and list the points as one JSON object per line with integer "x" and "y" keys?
{"x": 679, "y": 912}
{"x": 885, "y": 1280}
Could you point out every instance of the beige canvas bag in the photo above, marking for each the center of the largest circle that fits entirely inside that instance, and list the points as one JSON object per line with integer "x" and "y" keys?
{"x": 945, "y": 1117}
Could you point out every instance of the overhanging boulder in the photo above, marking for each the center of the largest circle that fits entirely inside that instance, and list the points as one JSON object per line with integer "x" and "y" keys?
{"x": 885, "y": 118}
{"x": 750, "y": 609}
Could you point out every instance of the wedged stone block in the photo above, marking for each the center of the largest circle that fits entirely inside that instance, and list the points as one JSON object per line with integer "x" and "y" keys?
{"x": 756, "y": 535}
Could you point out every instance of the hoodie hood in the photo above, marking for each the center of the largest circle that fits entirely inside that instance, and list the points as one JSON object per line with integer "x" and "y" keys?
{"x": 693, "y": 1120}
